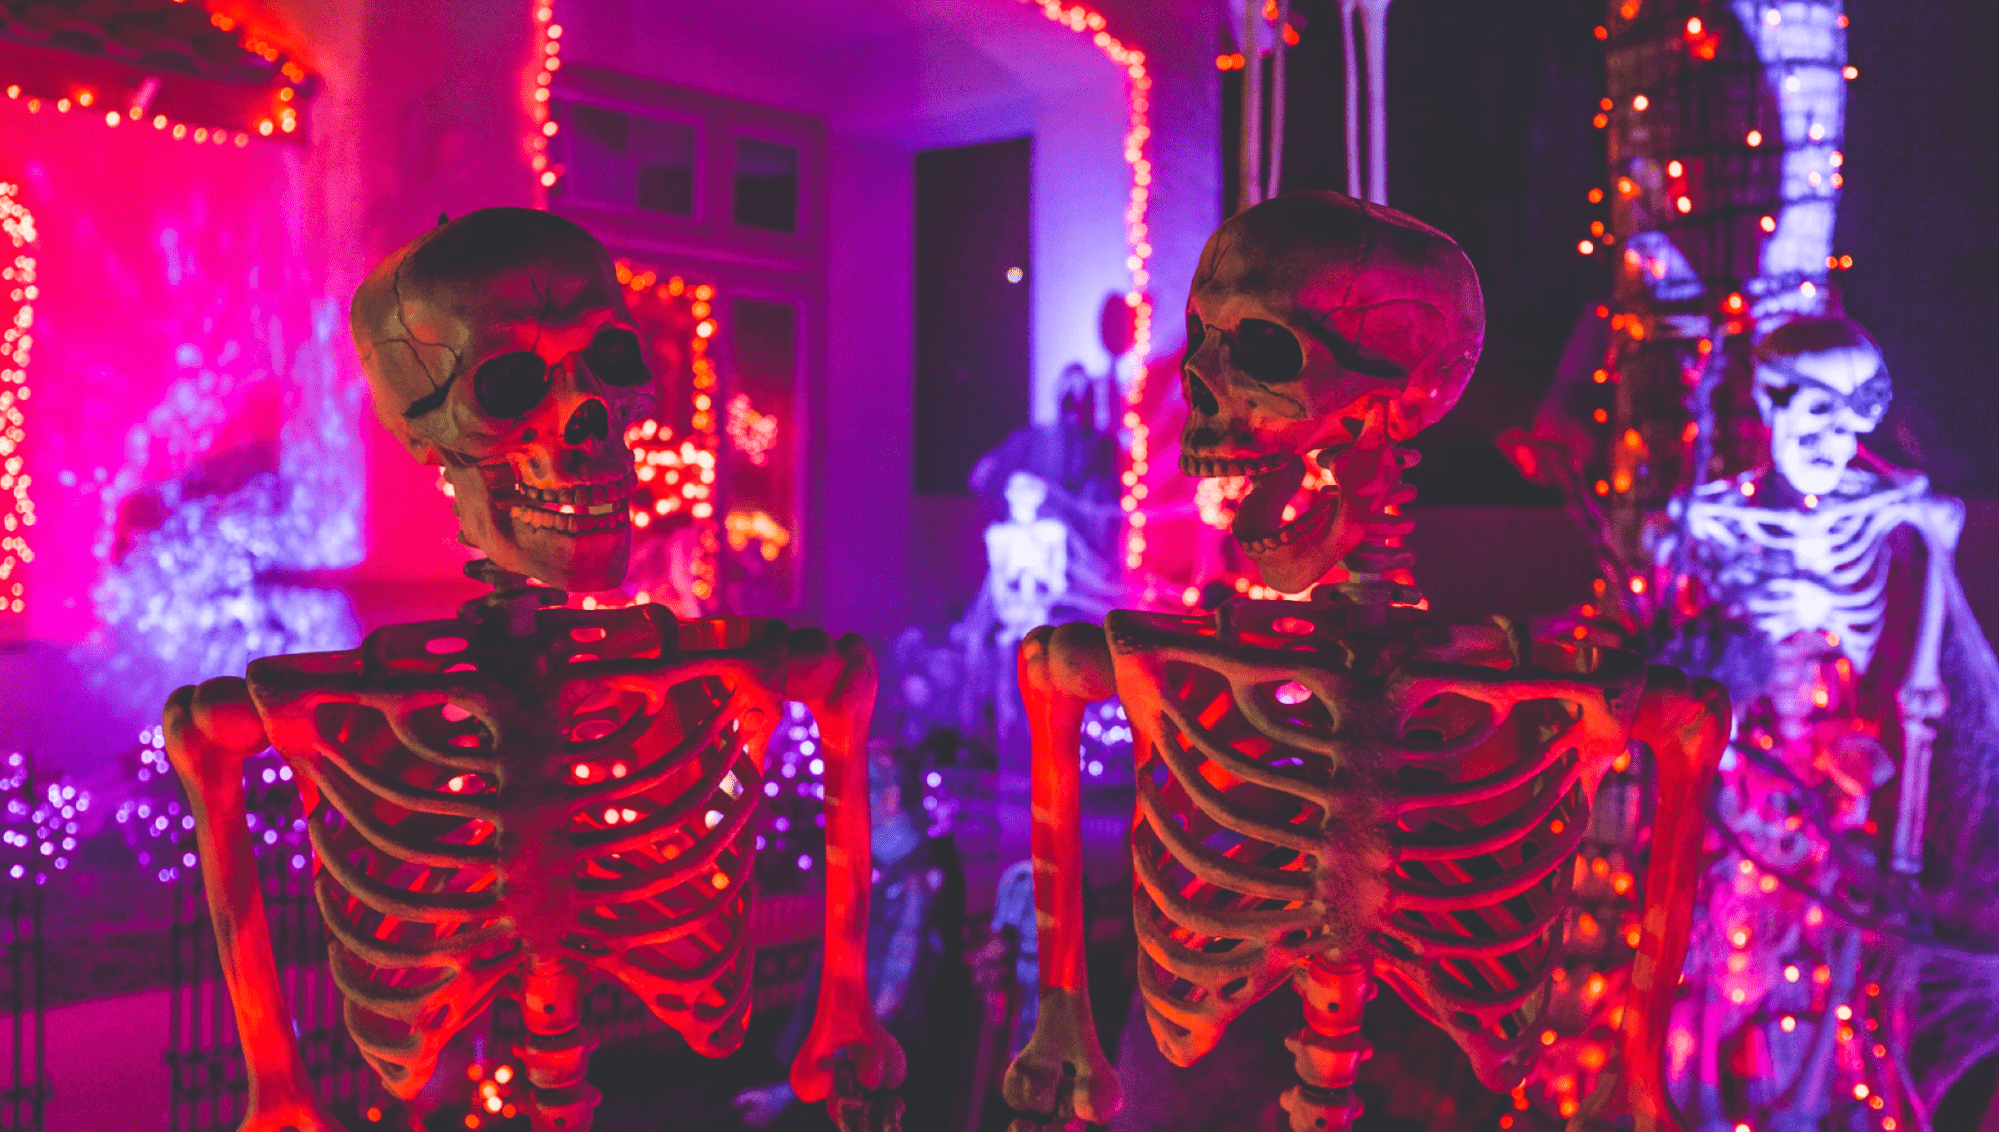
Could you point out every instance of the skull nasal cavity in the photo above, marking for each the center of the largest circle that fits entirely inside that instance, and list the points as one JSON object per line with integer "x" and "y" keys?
{"x": 1203, "y": 398}
{"x": 590, "y": 420}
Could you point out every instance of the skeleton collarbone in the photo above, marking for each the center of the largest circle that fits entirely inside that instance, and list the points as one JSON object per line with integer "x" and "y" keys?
{"x": 1413, "y": 795}
{"x": 1818, "y": 569}
{"x": 580, "y": 798}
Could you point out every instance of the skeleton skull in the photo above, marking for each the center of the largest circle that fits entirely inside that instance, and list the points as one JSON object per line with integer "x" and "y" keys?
{"x": 1819, "y": 383}
{"x": 1310, "y": 316}
{"x": 498, "y": 346}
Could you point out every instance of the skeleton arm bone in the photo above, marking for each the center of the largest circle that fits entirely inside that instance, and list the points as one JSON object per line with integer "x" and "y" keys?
{"x": 1061, "y": 671}
{"x": 210, "y": 731}
{"x": 1686, "y": 726}
{"x": 1921, "y": 700}
{"x": 836, "y": 680}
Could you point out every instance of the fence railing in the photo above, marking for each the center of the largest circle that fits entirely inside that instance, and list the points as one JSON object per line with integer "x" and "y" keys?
{"x": 26, "y": 850}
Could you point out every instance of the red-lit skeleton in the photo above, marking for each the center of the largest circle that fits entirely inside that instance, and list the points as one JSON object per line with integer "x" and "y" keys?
{"x": 504, "y": 803}
{"x": 1346, "y": 788}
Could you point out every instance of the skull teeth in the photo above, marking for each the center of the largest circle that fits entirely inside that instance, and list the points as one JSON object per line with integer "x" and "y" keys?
{"x": 569, "y": 523}
{"x": 1290, "y": 532}
{"x": 595, "y": 499}
{"x": 1210, "y": 467}
{"x": 575, "y": 508}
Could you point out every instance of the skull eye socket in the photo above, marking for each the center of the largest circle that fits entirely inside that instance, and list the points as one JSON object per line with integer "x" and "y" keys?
{"x": 1267, "y": 352}
{"x": 616, "y": 357}
{"x": 1197, "y": 331}
{"x": 511, "y": 384}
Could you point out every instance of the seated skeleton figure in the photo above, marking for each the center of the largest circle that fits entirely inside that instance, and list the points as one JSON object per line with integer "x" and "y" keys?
{"x": 514, "y": 801}
{"x": 1851, "y": 805}
{"x": 1347, "y": 788}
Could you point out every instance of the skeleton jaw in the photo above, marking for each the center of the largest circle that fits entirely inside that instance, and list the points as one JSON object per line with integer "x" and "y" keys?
{"x": 1290, "y": 524}
{"x": 575, "y": 536}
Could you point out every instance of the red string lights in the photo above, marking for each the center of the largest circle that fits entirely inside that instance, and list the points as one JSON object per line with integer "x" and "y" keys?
{"x": 17, "y": 317}
{"x": 548, "y": 60}
{"x": 1137, "y": 149}
{"x": 677, "y": 471}
{"x": 211, "y": 103}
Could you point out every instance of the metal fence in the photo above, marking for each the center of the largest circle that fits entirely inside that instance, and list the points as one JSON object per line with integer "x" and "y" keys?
{"x": 207, "y": 1083}
{"x": 24, "y": 852}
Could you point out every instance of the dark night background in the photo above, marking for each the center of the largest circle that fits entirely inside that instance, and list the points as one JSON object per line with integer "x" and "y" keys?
{"x": 1490, "y": 139}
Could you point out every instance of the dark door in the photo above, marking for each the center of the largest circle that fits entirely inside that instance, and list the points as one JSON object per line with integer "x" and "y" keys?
{"x": 972, "y": 280}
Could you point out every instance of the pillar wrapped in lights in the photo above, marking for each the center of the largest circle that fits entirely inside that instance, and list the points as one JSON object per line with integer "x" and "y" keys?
{"x": 17, "y": 321}
{"x": 1724, "y": 124}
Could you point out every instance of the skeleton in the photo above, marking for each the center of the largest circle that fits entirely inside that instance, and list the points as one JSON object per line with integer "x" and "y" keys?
{"x": 1809, "y": 560}
{"x": 1806, "y": 555}
{"x": 1345, "y": 788}
{"x": 503, "y": 803}
{"x": 1028, "y": 559}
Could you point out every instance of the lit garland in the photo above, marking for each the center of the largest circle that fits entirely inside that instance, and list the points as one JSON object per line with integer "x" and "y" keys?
{"x": 1137, "y": 144}
{"x": 39, "y": 826}
{"x": 127, "y": 100}
{"x": 17, "y": 513}
{"x": 548, "y": 60}
{"x": 677, "y": 475}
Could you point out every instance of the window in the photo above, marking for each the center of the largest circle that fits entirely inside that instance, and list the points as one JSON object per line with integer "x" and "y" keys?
{"x": 614, "y": 157}
{"x": 766, "y": 185}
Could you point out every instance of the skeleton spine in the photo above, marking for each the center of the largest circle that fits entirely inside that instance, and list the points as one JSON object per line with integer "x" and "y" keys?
{"x": 1377, "y": 568}
{"x": 1329, "y": 1048}
{"x": 556, "y": 1053}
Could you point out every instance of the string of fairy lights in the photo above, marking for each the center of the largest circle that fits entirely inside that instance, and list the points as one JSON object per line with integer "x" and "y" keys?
{"x": 19, "y": 290}
{"x": 278, "y": 120}
{"x": 548, "y": 60}
{"x": 18, "y": 286}
{"x": 1138, "y": 235}
{"x": 677, "y": 474}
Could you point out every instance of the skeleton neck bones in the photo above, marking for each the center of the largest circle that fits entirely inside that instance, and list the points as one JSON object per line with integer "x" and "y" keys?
{"x": 1335, "y": 791}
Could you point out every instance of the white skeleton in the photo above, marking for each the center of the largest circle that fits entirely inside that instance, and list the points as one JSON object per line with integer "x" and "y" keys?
{"x": 1028, "y": 557}
{"x": 1809, "y": 556}
{"x": 1798, "y": 1012}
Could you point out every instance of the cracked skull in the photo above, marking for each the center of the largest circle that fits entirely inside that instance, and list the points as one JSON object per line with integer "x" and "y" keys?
{"x": 1313, "y": 315}
{"x": 498, "y": 347}
{"x": 1819, "y": 384}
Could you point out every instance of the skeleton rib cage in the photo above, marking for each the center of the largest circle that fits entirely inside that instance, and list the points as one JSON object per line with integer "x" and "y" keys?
{"x": 497, "y": 813}
{"x": 1304, "y": 788}
{"x": 1839, "y": 547}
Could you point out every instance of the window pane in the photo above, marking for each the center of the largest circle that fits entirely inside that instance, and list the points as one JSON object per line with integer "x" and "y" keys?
{"x": 761, "y": 433}
{"x": 614, "y": 158}
{"x": 593, "y": 143}
{"x": 766, "y": 185}
{"x": 665, "y": 155}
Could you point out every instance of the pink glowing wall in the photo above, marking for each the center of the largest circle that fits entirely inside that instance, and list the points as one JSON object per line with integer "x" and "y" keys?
{"x": 182, "y": 347}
